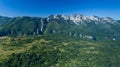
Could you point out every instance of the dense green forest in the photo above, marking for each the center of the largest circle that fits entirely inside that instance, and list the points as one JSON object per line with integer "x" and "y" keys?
{"x": 57, "y": 51}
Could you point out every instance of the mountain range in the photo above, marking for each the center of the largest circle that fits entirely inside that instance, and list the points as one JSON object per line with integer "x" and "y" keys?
{"x": 78, "y": 26}
{"x": 59, "y": 41}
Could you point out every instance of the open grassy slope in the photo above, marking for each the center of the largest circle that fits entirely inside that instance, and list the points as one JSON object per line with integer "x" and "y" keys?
{"x": 57, "y": 51}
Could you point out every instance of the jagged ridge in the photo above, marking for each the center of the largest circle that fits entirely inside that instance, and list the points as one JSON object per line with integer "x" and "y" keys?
{"x": 78, "y": 26}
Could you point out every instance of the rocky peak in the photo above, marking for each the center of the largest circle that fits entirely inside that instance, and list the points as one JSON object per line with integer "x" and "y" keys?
{"x": 94, "y": 18}
{"x": 77, "y": 18}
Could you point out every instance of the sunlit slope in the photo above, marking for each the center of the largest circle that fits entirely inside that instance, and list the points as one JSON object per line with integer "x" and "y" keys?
{"x": 39, "y": 51}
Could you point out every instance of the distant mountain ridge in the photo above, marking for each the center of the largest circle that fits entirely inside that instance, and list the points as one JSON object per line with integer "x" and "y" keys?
{"x": 4, "y": 20}
{"x": 78, "y": 26}
{"x": 82, "y": 18}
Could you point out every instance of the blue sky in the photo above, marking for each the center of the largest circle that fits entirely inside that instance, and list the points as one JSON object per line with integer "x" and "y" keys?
{"x": 102, "y": 8}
